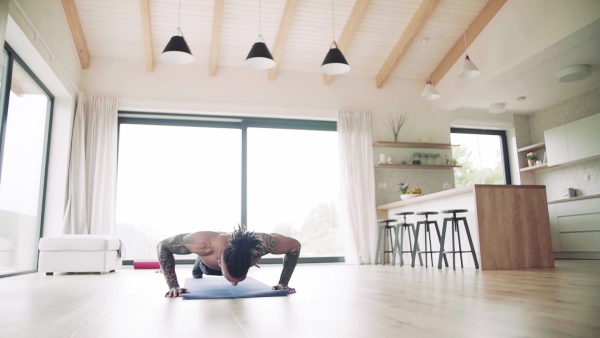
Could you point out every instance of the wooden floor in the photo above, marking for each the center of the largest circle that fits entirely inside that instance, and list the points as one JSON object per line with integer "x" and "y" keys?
{"x": 333, "y": 300}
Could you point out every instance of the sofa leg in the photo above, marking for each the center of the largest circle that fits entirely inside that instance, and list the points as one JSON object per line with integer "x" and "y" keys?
{"x": 111, "y": 271}
{"x": 49, "y": 273}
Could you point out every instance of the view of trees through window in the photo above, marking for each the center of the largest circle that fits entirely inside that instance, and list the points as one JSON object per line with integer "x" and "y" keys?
{"x": 480, "y": 157}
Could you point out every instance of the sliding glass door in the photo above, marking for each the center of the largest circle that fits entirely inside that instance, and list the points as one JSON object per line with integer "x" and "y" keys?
{"x": 192, "y": 173}
{"x": 173, "y": 180}
{"x": 25, "y": 135}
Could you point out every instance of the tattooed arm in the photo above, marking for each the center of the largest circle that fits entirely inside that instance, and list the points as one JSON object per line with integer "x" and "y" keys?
{"x": 279, "y": 244}
{"x": 166, "y": 249}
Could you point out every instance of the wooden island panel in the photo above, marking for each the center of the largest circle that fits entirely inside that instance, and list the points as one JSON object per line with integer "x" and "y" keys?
{"x": 514, "y": 227}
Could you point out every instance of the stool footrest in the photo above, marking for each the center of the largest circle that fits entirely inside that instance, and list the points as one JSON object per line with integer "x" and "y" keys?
{"x": 445, "y": 252}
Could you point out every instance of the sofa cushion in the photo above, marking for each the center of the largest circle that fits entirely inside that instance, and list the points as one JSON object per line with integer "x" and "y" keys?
{"x": 79, "y": 243}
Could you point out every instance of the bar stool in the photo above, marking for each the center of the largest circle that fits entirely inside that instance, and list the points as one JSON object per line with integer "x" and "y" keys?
{"x": 402, "y": 227}
{"x": 430, "y": 251}
{"x": 455, "y": 221}
{"x": 385, "y": 232}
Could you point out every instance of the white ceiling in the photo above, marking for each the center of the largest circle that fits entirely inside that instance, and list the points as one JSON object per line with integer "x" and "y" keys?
{"x": 113, "y": 29}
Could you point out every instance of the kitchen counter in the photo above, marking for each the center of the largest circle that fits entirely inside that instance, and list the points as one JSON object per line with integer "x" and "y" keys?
{"x": 509, "y": 223}
{"x": 574, "y": 198}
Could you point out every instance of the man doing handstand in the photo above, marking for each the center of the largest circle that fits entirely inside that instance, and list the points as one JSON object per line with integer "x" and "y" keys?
{"x": 226, "y": 254}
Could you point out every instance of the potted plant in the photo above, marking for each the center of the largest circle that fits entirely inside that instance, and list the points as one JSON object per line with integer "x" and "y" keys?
{"x": 531, "y": 159}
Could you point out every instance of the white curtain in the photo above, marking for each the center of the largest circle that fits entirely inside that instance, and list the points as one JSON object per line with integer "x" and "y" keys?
{"x": 92, "y": 181}
{"x": 358, "y": 214}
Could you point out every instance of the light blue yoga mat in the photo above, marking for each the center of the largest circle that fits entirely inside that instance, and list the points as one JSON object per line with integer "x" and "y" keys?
{"x": 213, "y": 287}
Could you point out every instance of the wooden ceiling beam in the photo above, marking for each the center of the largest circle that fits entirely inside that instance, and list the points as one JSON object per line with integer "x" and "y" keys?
{"x": 76, "y": 32}
{"x": 475, "y": 28}
{"x": 356, "y": 17}
{"x": 408, "y": 37}
{"x": 282, "y": 35}
{"x": 216, "y": 37}
{"x": 147, "y": 34}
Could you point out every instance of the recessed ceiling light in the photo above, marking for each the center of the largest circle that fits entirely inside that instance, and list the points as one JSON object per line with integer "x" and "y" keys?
{"x": 574, "y": 73}
{"x": 497, "y": 108}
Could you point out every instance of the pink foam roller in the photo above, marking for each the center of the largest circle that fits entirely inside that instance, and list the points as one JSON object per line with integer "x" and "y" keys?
{"x": 148, "y": 264}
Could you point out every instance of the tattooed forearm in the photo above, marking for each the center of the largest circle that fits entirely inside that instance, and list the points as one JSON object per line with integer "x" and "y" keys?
{"x": 166, "y": 249}
{"x": 289, "y": 264}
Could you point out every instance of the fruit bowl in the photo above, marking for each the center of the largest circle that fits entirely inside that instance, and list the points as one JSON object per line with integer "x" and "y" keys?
{"x": 408, "y": 196}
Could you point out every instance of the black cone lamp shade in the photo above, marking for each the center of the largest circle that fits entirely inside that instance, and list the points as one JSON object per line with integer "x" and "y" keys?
{"x": 260, "y": 57}
{"x": 335, "y": 63}
{"x": 177, "y": 51}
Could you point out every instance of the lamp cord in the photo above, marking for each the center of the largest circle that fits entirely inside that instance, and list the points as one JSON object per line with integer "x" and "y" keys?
{"x": 332, "y": 21}
{"x": 179, "y": 18}
{"x": 259, "y": 17}
{"x": 464, "y": 26}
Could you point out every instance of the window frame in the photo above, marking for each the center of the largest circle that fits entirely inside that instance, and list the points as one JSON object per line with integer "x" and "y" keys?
{"x": 236, "y": 122}
{"x": 503, "y": 142}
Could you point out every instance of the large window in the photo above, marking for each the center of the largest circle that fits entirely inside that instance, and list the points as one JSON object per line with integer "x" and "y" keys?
{"x": 25, "y": 133}
{"x": 482, "y": 157}
{"x": 293, "y": 187}
{"x": 207, "y": 173}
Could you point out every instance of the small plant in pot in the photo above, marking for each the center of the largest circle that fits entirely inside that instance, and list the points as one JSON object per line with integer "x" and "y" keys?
{"x": 531, "y": 159}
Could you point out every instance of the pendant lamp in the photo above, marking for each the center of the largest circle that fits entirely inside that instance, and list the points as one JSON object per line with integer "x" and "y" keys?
{"x": 429, "y": 92}
{"x": 334, "y": 63}
{"x": 177, "y": 50}
{"x": 259, "y": 56}
{"x": 467, "y": 70}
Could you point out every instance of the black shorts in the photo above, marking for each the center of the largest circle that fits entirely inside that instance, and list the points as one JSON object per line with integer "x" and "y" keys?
{"x": 206, "y": 269}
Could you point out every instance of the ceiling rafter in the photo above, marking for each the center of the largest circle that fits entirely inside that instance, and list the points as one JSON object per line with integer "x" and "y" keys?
{"x": 216, "y": 37}
{"x": 408, "y": 37}
{"x": 471, "y": 33}
{"x": 282, "y": 35}
{"x": 147, "y": 34}
{"x": 77, "y": 32}
{"x": 356, "y": 17}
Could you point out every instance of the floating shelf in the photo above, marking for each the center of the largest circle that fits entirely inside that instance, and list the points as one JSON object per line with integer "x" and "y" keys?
{"x": 415, "y": 166}
{"x": 414, "y": 145}
{"x": 532, "y": 147}
{"x": 534, "y": 168}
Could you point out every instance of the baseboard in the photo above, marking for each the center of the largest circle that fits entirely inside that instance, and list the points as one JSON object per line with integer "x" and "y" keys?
{"x": 577, "y": 255}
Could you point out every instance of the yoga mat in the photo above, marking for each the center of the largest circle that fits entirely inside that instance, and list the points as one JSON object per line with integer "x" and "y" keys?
{"x": 211, "y": 287}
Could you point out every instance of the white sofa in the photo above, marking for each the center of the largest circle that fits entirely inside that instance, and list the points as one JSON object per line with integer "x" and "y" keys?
{"x": 79, "y": 253}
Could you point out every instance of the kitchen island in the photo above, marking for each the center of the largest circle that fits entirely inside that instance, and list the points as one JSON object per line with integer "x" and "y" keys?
{"x": 509, "y": 224}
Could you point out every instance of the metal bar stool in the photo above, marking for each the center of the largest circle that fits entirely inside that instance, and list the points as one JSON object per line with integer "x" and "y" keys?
{"x": 455, "y": 221}
{"x": 430, "y": 251}
{"x": 402, "y": 227}
{"x": 385, "y": 232}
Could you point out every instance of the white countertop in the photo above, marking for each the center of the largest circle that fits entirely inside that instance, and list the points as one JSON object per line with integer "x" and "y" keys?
{"x": 428, "y": 197}
{"x": 574, "y": 198}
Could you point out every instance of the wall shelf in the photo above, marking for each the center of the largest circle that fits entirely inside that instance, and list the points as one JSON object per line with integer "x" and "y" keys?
{"x": 532, "y": 147}
{"x": 414, "y": 166}
{"x": 413, "y": 145}
{"x": 534, "y": 168}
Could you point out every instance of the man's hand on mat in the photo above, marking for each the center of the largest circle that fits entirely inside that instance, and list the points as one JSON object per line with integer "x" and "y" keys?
{"x": 176, "y": 292}
{"x": 284, "y": 287}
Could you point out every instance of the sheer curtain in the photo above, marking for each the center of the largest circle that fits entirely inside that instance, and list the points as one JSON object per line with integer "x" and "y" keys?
{"x": 357, "y": 183}
{"x": 92, "y": 181}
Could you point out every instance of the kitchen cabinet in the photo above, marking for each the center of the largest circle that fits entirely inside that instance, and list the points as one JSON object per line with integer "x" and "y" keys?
{"x": 413, "y": 145}
{"x": 573, "y": 141}
{"x": 575, "y": 227}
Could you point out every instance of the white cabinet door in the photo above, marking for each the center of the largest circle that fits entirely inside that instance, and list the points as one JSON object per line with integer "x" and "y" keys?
{"x": 583, "y": 138}
{"x": 557, "y": 151}
{"x": 554, "y": 227}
